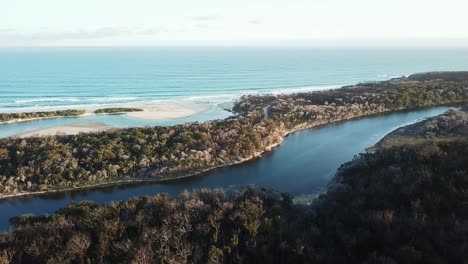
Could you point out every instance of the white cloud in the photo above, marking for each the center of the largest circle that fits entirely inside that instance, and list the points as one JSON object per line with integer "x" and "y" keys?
{"x": 181, "y": 22}
{"x": 99, "y": 33}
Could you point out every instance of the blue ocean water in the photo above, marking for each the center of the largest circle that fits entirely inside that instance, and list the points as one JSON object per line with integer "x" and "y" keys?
{"x": 33, "y": 79}
{"x": 71, "y": 77}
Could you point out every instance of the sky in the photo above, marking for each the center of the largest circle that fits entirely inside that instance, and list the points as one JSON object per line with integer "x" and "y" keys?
{"x": 239, "y": 22}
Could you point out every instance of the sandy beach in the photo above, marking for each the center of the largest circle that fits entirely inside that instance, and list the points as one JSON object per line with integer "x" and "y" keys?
{"x": 169, "y": 111}
{"x": 69, "y": 129}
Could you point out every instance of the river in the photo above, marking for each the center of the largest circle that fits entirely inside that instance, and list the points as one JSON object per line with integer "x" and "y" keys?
{"x": 303, "y": 164}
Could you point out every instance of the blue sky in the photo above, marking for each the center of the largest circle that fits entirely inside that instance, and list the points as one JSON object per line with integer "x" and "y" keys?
{"x": 240, "y": 22}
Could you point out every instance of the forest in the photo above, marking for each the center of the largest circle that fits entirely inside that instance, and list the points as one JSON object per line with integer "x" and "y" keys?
{"x": 39, "y": 164}
{"x": 405, "y": 204}
{"x": 446, "y": 127}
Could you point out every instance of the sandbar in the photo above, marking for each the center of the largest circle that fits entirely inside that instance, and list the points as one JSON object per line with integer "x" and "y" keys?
{"x": 167, "y": 111}
{"x": 68, "y": 129}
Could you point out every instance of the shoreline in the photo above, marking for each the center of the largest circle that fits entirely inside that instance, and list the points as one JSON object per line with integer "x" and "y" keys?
{"x": 14, "y": 121}
{"x": 259, "y": 154}
{"x": 145, "y": 180}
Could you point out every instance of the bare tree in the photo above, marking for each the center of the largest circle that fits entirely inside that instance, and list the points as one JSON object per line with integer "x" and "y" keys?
{"x": 6, "y": 256}
{"x": 144, "y": 255}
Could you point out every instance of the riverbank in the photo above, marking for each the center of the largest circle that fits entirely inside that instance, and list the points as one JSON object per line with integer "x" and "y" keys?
{"x": 302, "y": 165}
{"x": 147, "y": 180}
{"x": 256, "y": 155}
{"x": 447, "y": 127}
{"x": 152, "y": 180}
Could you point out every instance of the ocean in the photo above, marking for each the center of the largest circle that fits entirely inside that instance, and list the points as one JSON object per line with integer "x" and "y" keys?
{"x": 36, "y": 79}
{"x": 58, "y": 78}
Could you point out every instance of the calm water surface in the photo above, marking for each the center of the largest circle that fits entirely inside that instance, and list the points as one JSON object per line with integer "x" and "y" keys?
{"x": 303, "y": 164}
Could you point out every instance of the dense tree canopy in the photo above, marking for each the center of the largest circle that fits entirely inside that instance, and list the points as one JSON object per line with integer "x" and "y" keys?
{"x": 397, "y": 205}
{"x": 446, "y": 127}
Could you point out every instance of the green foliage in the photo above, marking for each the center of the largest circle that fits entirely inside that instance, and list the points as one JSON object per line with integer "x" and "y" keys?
{"x": 5, "y": 117}
{"x": 447, "y": 76}
{"x": 446, "y": 127}
{"x": 406, "y": 204}
{"x": 115, "y": 110}
{"x": 206, "y": 226}
{"x": 150, "y": 153}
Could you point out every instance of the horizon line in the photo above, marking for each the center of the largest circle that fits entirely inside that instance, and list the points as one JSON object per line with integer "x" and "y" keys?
{"x": 289, "y": 43}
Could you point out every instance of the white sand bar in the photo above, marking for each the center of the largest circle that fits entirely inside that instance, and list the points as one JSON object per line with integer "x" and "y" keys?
{"x": 165, "y": 112}
{"x": 69, "y": 129}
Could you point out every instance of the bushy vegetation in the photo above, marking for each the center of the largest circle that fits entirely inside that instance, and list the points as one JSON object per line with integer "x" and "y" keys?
{"x": 115, "y": 110}
{"x": 5, "y": 117}
{"x": 155, "y": 153}
{"x": 398, "y": 205}
{"x": 447, "y": 76}
{"x": 45, "y": 163}
{"x": 359, "y": 100}
{"x": 446, "y": 127}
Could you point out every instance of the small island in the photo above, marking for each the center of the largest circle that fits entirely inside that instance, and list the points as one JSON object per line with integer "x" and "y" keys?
{"x": 117, "y": 110}
{"x": 29, "y": 116}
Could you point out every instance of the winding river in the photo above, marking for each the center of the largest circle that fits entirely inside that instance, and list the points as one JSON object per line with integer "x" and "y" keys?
{"x": 303, "y": 164}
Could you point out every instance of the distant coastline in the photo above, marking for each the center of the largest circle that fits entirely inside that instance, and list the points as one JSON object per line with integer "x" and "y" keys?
{"x": 166, "y": 153}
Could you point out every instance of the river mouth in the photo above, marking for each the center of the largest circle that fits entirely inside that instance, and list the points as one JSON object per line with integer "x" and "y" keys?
{"x": 303, "y": 164}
